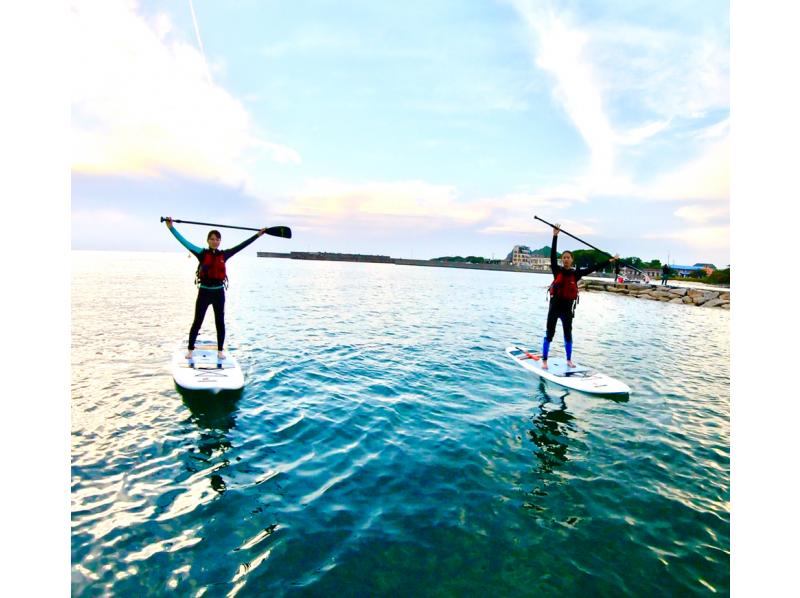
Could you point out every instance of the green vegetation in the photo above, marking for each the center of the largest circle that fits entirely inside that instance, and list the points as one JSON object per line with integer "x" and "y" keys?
{"x": 716, "y": 277}
{"x": 641, "y": 264}
{"x": 589, "y": 257}
{"x": 720, "y": 276}
{"x": 583, "y": 258}
{"x": 472, "y": 259}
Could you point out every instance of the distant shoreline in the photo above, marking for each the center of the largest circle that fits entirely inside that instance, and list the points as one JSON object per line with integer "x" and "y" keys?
{"x": 385, "y": 259}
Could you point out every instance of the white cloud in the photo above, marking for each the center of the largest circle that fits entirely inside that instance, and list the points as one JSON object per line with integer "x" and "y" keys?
{"x": 279, "y": 153}
{"x": 560, "y": 51}
{"x": 707, "y": 177}
{"x": 699, "y": 237}
{"x": 514, "y": 212}
{"x": 103, "y": 217}
{"x": 419, "y": 205}
{"x": 635, "y": 87}
{"x": 601, "y": 67}
{"x": 702, "y": 214}
{"x": 637, "y": 135}
{"x": 144, "y": 104}
{"x": 524, "y": 224}
{"x": 716, "y": 132}
{"x": 394, "y": 203}
{"x": 668, "y": 73}
{"x": 309, "y": 41}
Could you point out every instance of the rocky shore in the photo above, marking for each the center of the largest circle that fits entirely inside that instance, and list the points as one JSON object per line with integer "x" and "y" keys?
{"x": 668, "y": 294}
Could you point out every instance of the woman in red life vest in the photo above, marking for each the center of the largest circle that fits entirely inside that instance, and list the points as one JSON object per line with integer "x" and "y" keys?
{"x": 211, "y": 282}
{"x": 563, "y": 294}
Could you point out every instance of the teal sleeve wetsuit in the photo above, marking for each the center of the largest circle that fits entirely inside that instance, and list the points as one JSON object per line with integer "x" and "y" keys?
{"x": 211, "y": 291}
{"x": 194, "y": 249}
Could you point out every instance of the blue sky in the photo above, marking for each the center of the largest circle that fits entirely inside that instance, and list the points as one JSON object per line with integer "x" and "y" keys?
{"x": 412, "y": 129}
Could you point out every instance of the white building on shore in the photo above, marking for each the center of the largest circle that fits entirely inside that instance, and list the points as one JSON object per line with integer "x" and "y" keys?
{"x": 523, "y": 257}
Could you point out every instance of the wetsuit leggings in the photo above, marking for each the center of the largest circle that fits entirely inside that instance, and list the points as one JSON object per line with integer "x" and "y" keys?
{"x": 215, "y": 298}
{"x": 559, "y": 310}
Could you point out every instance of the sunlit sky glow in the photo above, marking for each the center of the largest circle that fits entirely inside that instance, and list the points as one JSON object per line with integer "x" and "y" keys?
{"x": 413, "y": 129}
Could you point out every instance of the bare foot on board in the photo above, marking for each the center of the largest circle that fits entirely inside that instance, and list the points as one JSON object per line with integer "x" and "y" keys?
{"x": 220, "y": 355}
{"x": 571, "y": 363}
{"x": 189, "y": 354}
{"x": 544, "y": 364}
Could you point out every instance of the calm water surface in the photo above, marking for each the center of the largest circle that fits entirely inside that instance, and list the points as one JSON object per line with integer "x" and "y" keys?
{"x": 385, "y": 445}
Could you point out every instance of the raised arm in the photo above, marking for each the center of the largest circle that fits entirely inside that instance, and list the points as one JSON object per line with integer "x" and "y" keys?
{"x": 234, "y": 250}
{"x": 190, "y": 246}
{"x": 553, "y": 255}
{"x": 584, "y": 271}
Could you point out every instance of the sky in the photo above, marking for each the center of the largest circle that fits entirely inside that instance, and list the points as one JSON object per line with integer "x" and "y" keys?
{"x": 413, "y": 129}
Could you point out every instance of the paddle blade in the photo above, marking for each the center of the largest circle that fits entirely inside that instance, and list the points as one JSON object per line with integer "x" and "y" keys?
{"x": 280, "y": 231}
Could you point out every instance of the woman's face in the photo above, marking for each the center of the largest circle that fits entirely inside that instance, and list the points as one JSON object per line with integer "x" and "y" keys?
{"x": 566, "y": 259}
{"x": 213, "y": 241}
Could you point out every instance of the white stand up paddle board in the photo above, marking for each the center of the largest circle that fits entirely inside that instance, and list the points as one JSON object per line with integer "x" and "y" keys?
{"x": 578, "y": 378}
{"x": 204, "y": 371}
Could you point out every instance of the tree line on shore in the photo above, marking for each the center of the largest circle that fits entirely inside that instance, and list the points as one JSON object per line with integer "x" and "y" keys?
{"x": 589, "y": 257}
{"x": 583, "y": 258}
{"x": 471, "y": 259}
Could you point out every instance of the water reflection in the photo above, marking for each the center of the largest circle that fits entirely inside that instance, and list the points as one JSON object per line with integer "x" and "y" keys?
{"x": 551, "y": 422}
{"x": 215, "y": 416}
{"x": 552, "y": 425}
{"x": 555, "y": 433}
{"x": 212, "y": 411}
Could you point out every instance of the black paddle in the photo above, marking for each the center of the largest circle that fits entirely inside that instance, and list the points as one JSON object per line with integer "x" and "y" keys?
{"x": 276, "y": 231}
{"x": 585, "y": 243}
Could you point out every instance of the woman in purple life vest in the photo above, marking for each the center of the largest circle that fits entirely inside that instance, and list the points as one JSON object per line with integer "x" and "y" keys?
{"x": 563, "y": 294}
{"x": 211, "y": 282}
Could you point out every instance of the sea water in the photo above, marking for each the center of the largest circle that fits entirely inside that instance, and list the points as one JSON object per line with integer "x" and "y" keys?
{"x": 384, "y": 444}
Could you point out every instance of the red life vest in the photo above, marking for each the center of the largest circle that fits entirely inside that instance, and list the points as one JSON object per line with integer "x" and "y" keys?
{"x": 565, "y": 286}
{"x": 211, "y": 268}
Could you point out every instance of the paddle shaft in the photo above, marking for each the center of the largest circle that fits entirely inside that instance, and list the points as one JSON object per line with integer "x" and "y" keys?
{"x": 584, "y": 242}
{"x": 275, "y": 231}
{"x": 570, "y": 235}
{"x": 211, "y": 224}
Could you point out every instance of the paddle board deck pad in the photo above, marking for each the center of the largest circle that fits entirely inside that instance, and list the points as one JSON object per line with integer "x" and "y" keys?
{"x": 204, "y": 371}
{"x": 578, "y": 378}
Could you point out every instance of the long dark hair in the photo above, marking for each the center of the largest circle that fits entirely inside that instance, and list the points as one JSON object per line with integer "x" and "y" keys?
{"x": 214, "y": 232}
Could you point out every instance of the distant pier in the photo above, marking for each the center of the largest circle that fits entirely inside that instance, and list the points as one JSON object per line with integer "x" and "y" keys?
{"x": 385, "y": 259}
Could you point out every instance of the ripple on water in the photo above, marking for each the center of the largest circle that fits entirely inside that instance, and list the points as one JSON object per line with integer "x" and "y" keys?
{"x": 384, "y": 444}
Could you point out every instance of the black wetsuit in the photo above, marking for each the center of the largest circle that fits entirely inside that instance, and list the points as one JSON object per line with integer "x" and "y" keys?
{"x": 211, "y": 291}
{"x": 560, "y": 308}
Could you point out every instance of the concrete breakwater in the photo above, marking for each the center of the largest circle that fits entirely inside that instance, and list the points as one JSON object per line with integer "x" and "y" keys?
{"x": 668, "y": 294}
{"x": 385, "y": 259}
